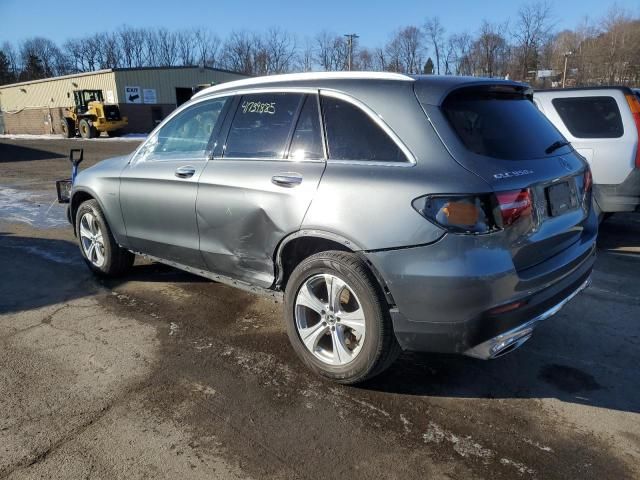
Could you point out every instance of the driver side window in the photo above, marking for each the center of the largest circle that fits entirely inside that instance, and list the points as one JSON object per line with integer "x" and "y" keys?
{"x": 188, "y": 132}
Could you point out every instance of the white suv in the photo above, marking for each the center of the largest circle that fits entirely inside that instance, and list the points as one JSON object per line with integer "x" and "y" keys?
{"x": 603, "y": 125}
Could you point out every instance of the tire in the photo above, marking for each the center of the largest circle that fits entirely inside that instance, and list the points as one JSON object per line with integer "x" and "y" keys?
{"x": 370, "y": 354}
{"x": 68, "y": 127}
{"x": 107, "y": 258}
{"x": 114, "y": 133}
{"x": 86, "y": 129}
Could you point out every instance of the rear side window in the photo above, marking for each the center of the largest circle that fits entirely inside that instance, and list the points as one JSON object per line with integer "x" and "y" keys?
{"x": 307, "y": 138}
{"x": 261, "y": 125}
{"x": 590, "y": 117}
{"x": 353, "y": 135}
{"x": 501, "y": 123}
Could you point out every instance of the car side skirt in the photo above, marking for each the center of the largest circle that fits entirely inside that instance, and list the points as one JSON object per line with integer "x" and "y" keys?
{"x": 216, "y": 277}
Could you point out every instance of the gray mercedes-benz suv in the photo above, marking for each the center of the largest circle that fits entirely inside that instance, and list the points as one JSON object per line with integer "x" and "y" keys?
{"x": 422, "y": 213}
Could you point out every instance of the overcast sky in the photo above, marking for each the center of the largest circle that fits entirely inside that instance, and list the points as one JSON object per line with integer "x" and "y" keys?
{"x": 373, "y": 20}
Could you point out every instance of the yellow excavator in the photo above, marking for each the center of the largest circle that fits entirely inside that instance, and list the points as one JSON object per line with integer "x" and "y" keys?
{"x": 89, "y": 117}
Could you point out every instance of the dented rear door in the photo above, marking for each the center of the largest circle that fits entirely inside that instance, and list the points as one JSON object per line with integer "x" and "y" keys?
{"x": 260, "y": 183}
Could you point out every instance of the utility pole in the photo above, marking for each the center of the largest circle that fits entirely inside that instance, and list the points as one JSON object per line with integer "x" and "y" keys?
{"x": 350, "y": 38}
{"x": 564, "y": 72}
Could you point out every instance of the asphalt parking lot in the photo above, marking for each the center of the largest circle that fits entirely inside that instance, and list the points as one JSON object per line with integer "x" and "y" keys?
{"x": 166, "y": 375}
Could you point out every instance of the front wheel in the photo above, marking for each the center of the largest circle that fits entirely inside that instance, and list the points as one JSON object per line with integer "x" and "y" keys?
{"x": 98, "y": 247}
{"x": 86, "y": 129}
{"x": 337, "y": 318}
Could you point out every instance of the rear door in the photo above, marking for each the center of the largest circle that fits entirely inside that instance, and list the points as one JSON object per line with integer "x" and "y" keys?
{"x": 601, "y": 128}
{"x": 499, "y": 134}
{"x": 260, "y": 183}
{"x": 158, "y": 188}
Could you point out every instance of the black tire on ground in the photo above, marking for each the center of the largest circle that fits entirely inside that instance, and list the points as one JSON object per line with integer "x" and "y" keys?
{"x": 68, "y": 127}
{"x": 114, "y": 133}
{"x": 117, "y": 260}
{"x": 380, "y": 348}
{"x": 86, "y": 129}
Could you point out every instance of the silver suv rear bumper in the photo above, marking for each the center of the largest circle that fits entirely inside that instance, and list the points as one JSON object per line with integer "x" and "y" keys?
{"x": 509, "y": 341}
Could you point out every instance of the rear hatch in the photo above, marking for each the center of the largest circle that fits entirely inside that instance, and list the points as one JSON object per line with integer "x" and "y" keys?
{"x": 542, "y": 186}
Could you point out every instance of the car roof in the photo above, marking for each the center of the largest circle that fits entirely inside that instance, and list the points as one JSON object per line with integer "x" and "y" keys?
{"x": 429, "y": 88}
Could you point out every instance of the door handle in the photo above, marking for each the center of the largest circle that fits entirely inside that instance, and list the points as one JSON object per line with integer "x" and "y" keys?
{"x": 287, "y": 179}
{"x": 185, "y": 172}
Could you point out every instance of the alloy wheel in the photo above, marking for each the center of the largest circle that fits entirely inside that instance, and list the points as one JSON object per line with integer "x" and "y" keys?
{"x": 92, "y": 240}
{"x": 329, "y": 319}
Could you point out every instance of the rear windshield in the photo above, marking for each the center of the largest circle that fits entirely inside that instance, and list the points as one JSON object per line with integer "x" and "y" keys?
{"x": 502, "y": 124}
{"x": 590, "y": 117}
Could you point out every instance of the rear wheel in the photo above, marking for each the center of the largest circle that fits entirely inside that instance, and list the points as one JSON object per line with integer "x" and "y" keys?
{"x": 337, "y": 319}
{"x": 68, "y": 127}
{"x": 86, "y": 129}
{"x": 114, "y": 133}
{"x": 99, "y": 249}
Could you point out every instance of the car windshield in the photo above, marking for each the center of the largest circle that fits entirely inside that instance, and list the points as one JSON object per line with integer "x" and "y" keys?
{"x": 502, "y": 124}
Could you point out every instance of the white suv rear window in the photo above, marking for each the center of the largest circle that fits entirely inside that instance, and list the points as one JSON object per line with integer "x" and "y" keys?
{"x": 590, "y": 117}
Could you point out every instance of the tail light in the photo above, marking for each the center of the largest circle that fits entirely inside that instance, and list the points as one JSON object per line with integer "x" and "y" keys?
{"x": 475, "y": 214}
{"x": 634, "y": 105}
{"x": 587, "y": 183}
{"x": 514, "y": 205}
{"x": 465, "y": 214}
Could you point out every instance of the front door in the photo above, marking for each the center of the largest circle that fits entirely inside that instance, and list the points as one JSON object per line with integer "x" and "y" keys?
{"x": 259, "y": 186}
{"x": 158, "y": 189}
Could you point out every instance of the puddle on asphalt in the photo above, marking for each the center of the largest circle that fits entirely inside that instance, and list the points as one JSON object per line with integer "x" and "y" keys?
{"x": 37, "y": 209}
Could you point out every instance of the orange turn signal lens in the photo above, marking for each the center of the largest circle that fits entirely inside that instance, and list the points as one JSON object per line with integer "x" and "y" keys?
{"x": 461, "y": 213}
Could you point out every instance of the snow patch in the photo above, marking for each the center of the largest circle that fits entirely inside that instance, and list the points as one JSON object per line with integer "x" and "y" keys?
{"x": 464, "y": 446}
{"x": 173, "y": 328}
{"x": 38, "y": 209}
{"x": 52, "y": 256}
{"x": 205, "y": 389}
{"x": 520, "y": 467}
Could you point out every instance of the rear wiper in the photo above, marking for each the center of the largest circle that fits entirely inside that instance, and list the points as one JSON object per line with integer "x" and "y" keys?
{"x": 556, "y": 145}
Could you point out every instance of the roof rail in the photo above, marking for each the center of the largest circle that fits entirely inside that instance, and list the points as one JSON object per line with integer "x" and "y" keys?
{"x": 291, "y": 77}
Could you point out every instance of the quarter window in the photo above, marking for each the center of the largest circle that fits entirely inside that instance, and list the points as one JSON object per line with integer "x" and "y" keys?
{"x": 188, "y": 132}
{"x": 261, "y": 125}
{"x": 353, "y": 135}
{"x": 307, "y": 138}
{"x": 590, "y": 117}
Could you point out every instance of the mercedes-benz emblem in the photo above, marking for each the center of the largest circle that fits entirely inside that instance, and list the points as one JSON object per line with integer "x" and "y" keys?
{"x": 564, "y": 163}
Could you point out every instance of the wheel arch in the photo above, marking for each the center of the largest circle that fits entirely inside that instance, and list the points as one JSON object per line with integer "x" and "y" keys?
{"x": 80, "y": 196}
{"x": 302, "y": 244}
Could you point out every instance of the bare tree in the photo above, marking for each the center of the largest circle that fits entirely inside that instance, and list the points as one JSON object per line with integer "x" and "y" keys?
{"x": 435, "y": 33}
{"x": 186, "y": 47}
{"x": 280, "y": 49}
{"x": 45, "y": 50}
{"x": 12, "y": 58}
{"x": 151, "y": 47}
{"x": 305, "y": 57}
{"x": 491, "y": 49}
{"x": 332, "y": 51}
{"x": 393, "y": 55}
{"x": 109, "y": 49}
{"x": 408, "y": 46}
{"x": 365, "y": 60}
{"x": 238, "y": 52}
{"x": 167, "y": 47}
{"x": 532, "y": 28}
{"x": 207, "y": 47}
{"x": 462, "y": 44}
